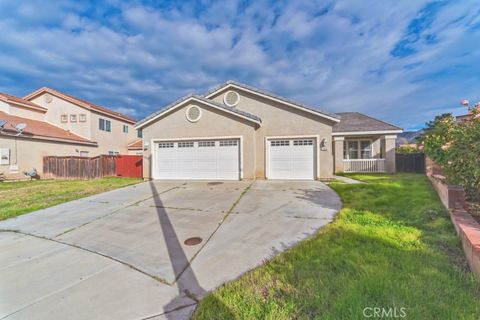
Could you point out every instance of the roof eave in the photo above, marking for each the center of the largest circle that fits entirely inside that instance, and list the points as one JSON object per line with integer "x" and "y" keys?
{"x": 144, "y": 122}
{"x": 76, "y": 102}
{"x": 366, "y": 132}
{"x": 230, "y": 83}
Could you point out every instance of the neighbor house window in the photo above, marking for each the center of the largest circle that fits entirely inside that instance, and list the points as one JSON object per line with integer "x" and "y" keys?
{"x": 113, "y": 153}
{"x": 105, "y": 125}
{"x": 139, "y": 133}
{"x": 64, "y": 118}
{"x": 83, "y": 153}
{"x": 357, "y": 149}
{"x": 125, "y": 128}
{"x": 73, "y": 118}
{"x": 82, "y": 117}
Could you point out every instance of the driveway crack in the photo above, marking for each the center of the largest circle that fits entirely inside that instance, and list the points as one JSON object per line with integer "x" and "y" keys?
{"x": 229, "y": 211}
{"x": 158, "y": 279}
{"x": 115, "y": 211}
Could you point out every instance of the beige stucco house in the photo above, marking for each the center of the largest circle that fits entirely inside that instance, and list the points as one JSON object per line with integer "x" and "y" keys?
{"x": 239, "y": 132}
{"x": 57, "y": 124}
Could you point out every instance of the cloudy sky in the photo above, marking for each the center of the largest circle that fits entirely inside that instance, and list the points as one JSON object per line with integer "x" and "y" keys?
{"x": 401, "y": 61}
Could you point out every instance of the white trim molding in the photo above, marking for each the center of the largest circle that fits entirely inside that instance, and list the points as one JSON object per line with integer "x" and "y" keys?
{"x": 338, "y": 138}
{"x": 391, "y": 136}
{"x": 232, "y": 85}
{"x": 362, "y": 133}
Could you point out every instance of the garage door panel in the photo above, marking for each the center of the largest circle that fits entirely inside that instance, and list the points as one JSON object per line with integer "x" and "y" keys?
{"x": 291, "y": 159}
{"x": 198, "y": 160}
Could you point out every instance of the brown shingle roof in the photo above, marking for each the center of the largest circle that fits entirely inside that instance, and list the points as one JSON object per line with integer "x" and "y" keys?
{"x": 355, "y": 121}
{"x": 15, "y": 100}
{"x": 40, "y": 130}
{"x": 82, "y": 103}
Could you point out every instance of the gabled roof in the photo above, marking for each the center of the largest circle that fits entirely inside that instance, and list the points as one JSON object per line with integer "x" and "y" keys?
{"x": 40, "y": 130}
{"x": 81, "y": 103}
{"x": 355, "y": 122}
{"x": 191, "y": 97}
{"x": 136, "y": 144}
{"x": 21, "y": 102}
{"x": 271, "y": 96}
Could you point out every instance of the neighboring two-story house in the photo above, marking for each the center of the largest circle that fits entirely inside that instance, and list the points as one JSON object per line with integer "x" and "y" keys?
{"x": 53, "y": 123}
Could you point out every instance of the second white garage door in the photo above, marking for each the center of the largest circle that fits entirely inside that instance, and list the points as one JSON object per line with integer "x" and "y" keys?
{"x": 198, "y": 160}
{"x": 291, "y": 159}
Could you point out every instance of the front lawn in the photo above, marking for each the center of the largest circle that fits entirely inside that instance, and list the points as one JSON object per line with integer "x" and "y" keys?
{"x": 21, "y": 197}
{"x": 392, "y": 246}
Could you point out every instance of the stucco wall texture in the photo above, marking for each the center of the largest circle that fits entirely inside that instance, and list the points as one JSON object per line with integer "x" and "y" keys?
{"x": 278, "y": 120}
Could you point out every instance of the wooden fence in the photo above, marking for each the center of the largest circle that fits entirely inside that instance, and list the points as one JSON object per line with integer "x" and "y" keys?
{"x": 130, "y": 166}
{"x": 79, "y": 167}
{"x": 410, "y": 162}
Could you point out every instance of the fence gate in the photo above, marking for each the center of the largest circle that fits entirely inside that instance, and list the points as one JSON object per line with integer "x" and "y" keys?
{"x": 410, "y": 162}
{"x": 130, "y": 166}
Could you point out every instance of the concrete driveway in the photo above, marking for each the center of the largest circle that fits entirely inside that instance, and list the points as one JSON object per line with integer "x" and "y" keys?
{"x": 121, "y": 254}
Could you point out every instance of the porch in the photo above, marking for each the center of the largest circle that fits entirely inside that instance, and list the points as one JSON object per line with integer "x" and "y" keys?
{"x": 364, "y": 165}
{"x": 365, "y": 153}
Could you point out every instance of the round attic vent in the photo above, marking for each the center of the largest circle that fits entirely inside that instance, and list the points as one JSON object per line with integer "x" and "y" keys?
{"x": 231, "y": 98}
{"x": 47, "y": 97}
{"x": 193, "y": 113}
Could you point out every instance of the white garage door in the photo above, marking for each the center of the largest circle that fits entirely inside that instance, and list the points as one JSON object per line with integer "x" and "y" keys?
{"x": 198, "y": 160}
{"x": 291, "y": 159}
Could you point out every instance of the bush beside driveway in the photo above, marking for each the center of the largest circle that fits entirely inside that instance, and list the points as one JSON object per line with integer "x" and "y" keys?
{"x": 392, "y": 246}
{"x": 27, "y": 196}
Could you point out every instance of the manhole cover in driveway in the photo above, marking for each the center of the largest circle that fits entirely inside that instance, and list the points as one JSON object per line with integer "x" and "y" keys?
{"x": 214, "y": 183}
{"x": 193, "y": 241}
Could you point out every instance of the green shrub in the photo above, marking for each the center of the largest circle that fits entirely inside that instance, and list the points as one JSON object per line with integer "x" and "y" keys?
{"x": 456, "y": 148}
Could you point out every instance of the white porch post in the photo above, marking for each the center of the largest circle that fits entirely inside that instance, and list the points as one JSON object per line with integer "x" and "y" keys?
{"x": 390, "y": 166}
{"x": 338, "y": 153}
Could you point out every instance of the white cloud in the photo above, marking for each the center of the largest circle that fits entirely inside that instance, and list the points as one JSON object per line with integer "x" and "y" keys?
{"x": 335, "y": 56}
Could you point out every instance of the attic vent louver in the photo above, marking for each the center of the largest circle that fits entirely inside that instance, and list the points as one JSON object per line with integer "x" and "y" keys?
{"x": 193, "y": 113}
{"x": 48, "y": 98}
{"x": 231, "y": 98}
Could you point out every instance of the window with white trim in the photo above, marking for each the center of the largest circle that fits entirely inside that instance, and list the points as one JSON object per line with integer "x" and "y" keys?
{"x": 165, "y": 145}
{"x": 303, "y": 142}
{"x": 228, "y": 143}
{"x": 73, "y": 118}
{"x": 82, "y": 117}
{"x": 186, "y": 144}
{"x": 206, "y": 143}
{"x": 357, "y": 149}
{"x": 64, "y": 118}
{"x": 279, "y": 143}
{"x": 104, "y": 125}
{"x": 125, "y": 128}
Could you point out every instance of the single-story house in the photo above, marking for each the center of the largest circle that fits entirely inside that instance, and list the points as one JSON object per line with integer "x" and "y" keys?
{"x": 236, "y": 131}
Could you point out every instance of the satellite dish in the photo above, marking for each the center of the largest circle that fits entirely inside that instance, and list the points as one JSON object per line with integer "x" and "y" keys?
{"x": 20, "y": 127}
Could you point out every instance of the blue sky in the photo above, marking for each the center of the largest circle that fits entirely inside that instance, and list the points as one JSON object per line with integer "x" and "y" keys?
{"x": 401, "y": 61}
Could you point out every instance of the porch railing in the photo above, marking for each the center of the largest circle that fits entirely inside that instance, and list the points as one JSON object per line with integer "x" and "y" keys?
{"x": 364, "y": 165}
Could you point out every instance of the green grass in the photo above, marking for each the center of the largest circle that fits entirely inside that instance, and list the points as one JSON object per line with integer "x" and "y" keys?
{"x": 392, "y": 245}
{"x": 21, "y": 197}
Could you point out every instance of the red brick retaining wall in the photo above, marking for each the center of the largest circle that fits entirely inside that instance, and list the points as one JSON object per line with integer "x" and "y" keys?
{"x": 453, "y": 198}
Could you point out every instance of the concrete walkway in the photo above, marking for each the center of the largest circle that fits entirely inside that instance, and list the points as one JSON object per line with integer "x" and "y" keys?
{"x": 121, "y": 254}
{"x": 347, "y": 180}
